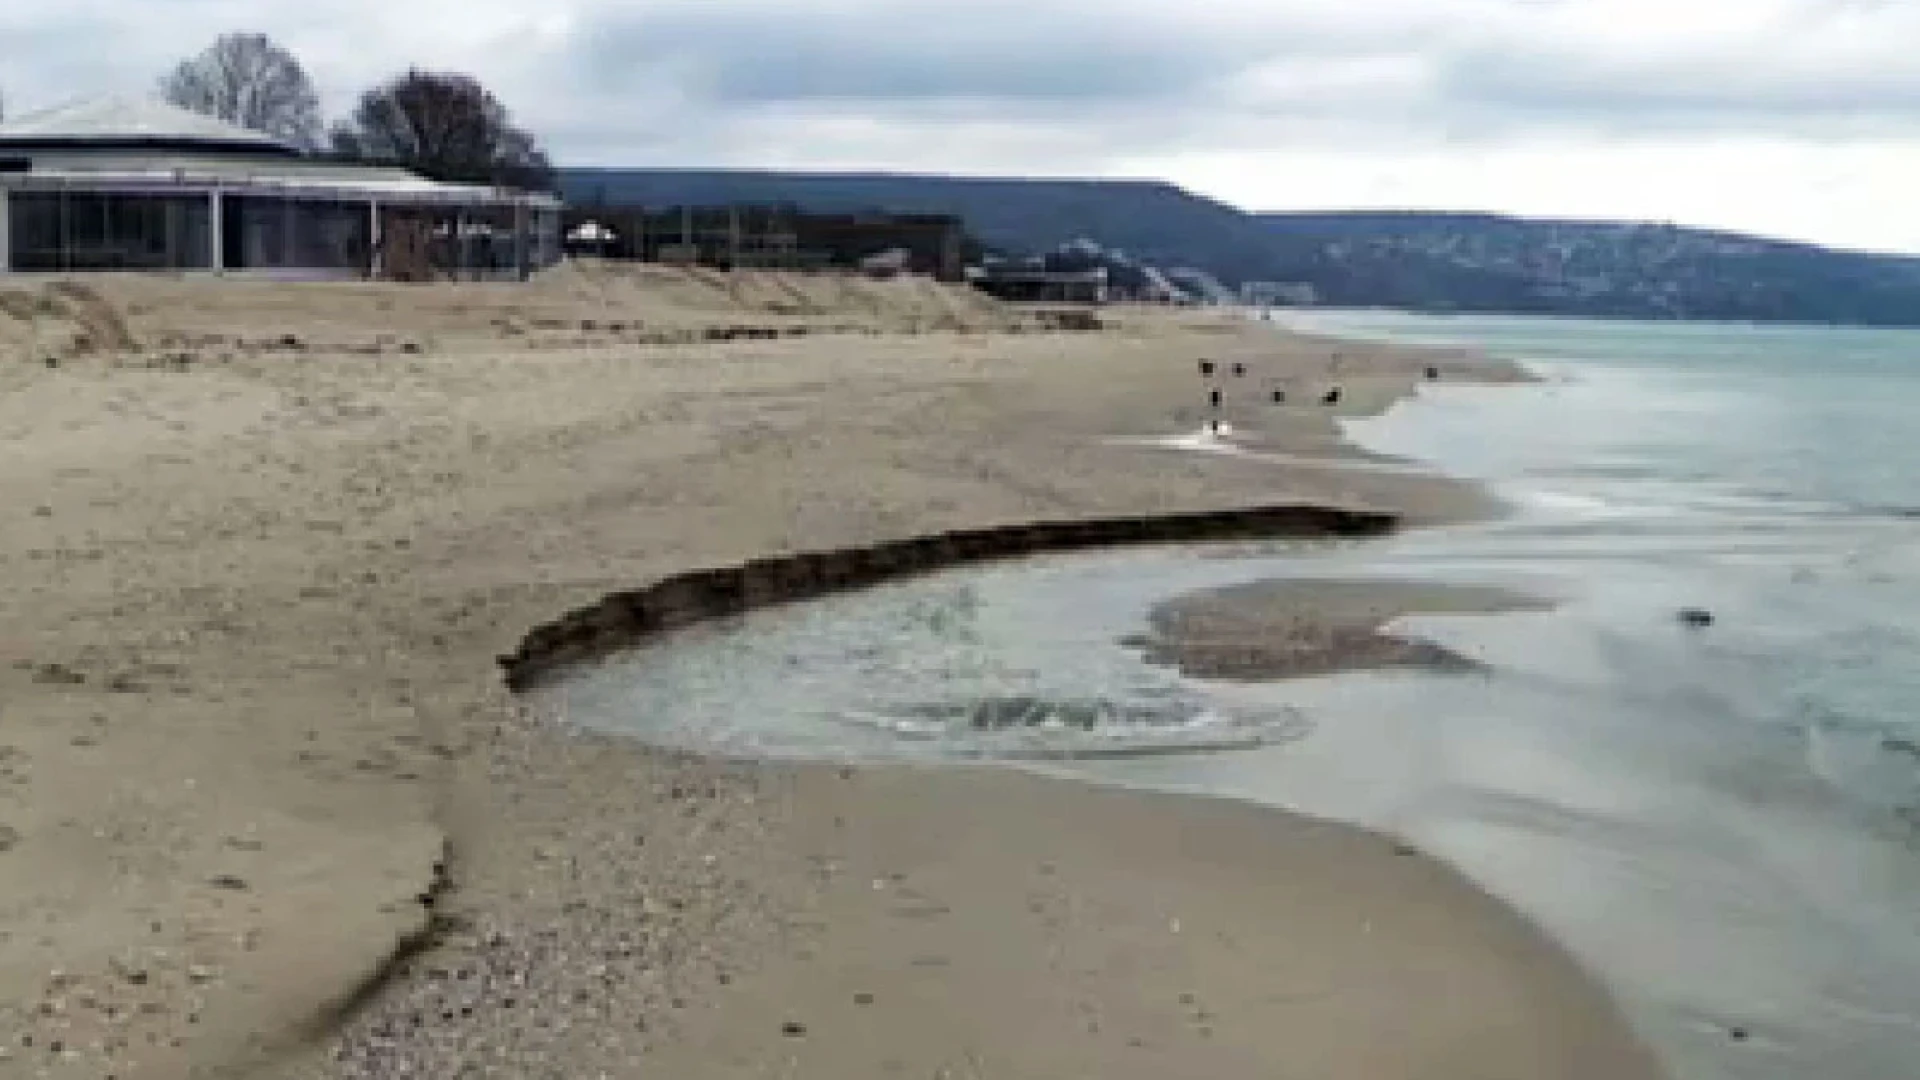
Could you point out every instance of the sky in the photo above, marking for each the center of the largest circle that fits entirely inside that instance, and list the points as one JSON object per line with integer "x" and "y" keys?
{"x": 1792, "y": 118}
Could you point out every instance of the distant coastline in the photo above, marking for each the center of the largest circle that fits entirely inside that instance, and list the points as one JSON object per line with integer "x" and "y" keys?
{"x": 1422, "y": 261}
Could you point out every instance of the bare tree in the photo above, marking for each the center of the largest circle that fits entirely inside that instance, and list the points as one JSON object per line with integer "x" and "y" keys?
{"x": 248, "y": 80}
{"x": 445, "y": 126}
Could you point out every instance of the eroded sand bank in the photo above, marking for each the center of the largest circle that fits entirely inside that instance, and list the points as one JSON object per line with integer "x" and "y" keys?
{"x": 264, "y": 543}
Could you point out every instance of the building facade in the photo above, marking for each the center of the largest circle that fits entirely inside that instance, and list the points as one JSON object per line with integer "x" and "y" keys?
{"x": 140, "y": 185}
{"x": 1029, "y": 281}
{"x": 772, "y": 237}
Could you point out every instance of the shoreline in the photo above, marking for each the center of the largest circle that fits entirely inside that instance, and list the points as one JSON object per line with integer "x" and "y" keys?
{"x": 311, "y": 734}
{"x": 641, "y": 617}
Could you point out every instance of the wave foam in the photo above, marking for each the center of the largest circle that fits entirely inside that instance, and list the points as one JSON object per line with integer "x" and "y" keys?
{"x": 1040, "y": 730}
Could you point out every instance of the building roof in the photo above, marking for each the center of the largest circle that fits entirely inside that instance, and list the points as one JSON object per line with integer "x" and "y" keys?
{"x": 133, "y": 123}
{"x": 162, "y": 173}
{"x": 144, "y": 145}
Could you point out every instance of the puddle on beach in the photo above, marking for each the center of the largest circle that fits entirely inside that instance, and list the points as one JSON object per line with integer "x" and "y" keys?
{"x": 1021, "y": 662}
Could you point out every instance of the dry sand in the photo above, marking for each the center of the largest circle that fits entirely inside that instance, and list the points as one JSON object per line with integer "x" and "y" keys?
{"x": 263, "y": 543}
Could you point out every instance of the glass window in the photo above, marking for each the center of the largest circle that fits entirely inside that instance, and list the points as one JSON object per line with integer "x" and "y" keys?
{"x": 92, "y": 230}
{"x": 271, "y": 233}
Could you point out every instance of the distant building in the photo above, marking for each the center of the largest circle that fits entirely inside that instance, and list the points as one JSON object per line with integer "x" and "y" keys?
{"x": 1200, "y": 286}
{"x": 886, "y": 264}
{"x": 141, "y": 185}
{"x": 1022, "y": 282}
{"x": 783, "y": 237}
{"x": 1279, "y": 294}
{"x": 1157, "y": 288}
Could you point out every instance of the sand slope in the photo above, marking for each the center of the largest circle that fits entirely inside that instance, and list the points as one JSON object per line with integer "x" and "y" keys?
{"x": 263, "y": 543}
{"x": 571, "y": 305}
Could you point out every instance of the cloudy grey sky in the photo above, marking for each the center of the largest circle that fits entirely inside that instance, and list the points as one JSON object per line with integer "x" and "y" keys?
{"x": 1798, "y": 118}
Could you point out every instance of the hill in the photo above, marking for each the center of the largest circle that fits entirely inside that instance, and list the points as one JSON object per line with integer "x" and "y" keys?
{"x": 1485, "y": 262}
{"x": 1152, "y": 221}
{"x": 1406, "y": 259}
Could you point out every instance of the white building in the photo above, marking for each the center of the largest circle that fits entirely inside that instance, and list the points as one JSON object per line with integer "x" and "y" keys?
{"x": 140, "y": 185}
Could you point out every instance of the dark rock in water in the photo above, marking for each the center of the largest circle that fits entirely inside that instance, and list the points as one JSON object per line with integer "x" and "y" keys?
{"x": 1739, "y": 1034}
{"x": 1693, "y": 616}
{"x": 1896, "y": 745}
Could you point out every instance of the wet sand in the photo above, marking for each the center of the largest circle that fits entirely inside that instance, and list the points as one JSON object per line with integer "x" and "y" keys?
{"x": 268, "y": 807}
{"x": 1268, "y": 630}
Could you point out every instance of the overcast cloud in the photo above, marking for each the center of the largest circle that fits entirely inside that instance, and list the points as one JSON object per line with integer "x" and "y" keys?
{"x": 1794, "y": 117}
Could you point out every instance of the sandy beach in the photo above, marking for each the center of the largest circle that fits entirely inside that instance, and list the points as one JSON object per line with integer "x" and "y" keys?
{"x": 268, "y": 809}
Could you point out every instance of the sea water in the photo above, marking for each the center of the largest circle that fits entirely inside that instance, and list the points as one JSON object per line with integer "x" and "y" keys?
{"x": 1722, "y": 823}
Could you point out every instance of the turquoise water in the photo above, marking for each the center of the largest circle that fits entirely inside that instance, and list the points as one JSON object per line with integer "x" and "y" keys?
{"x": 1724, "y": 825}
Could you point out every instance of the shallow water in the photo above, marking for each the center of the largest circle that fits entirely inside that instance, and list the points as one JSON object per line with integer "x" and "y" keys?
{"x": 1721, "y": 823}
